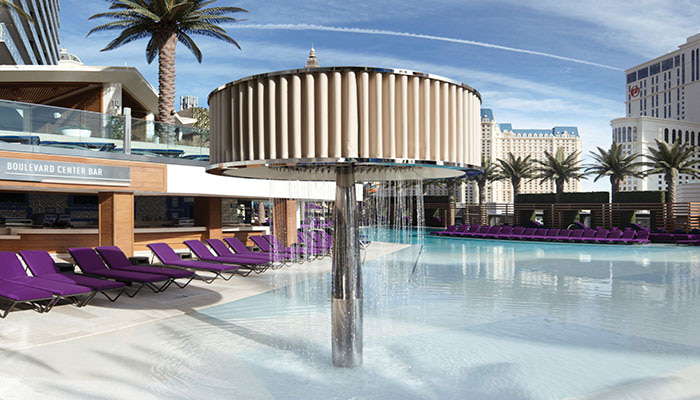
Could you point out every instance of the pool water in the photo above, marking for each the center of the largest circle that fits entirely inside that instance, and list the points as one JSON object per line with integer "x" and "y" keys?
{"x": 459, "y": 319}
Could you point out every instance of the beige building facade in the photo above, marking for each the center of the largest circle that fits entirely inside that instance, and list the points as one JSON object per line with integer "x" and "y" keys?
{"x": 497, "y": 140}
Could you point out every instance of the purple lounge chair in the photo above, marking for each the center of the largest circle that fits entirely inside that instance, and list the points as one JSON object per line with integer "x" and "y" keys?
{"x": 204, "y": 254}
{"x": 642, "y": 237}
{"x": 310, "y": 244}
{"x": 514, "y": 233}
{"x": 91, "y": 264}
{"x": 42, "y": 265}
{"x": 575, "y": 235}
{"x": 551, "y": 234}
{"x": 40, "y": 300}
{"x": 450, "y": 229}
{"x": 278, "y": 245}
{"x": 239, "y": 248}
{"x": 627, "y": 236}
{"x": 563, "y": 234}
{"x": 539, "y": 234}
{"x": 481, "y": 231}
{"x": 493, "y": 230}
{"x": 116, "y": 259}
{"x": 613, "y": 237}
{"x": 600, "y": 234}
{"x": 586, "y": 236}
{"x": 12, "y": 270}
{"x": 503, "y": 233}
{"x": 460, "y": 230}
{"x": 527, "y": 234}
{"x": 170, "y": 258}
{"x": 266, "y": 247}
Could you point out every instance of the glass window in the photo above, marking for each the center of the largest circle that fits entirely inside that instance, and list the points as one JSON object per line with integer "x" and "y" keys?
{"x": 631, "y": 77}
{"x": 655, "y": 69}
{"x": 667, "y": 64}
{"x": 643, "y": 73}
{"x": 677, "y": 60}
{"x": 666, "y": 135}
{"x": 683, "y": 68}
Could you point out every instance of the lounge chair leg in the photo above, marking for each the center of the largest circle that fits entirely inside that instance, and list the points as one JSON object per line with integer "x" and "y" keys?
{"x": 186, "y": 283}
{"x": 115, "y": 298}
{"x": 205, "y": 279}
{"x": 137, "y": 290}
{"x": 157, "y": 289}
{"x": 87, "y": 300}
{"x": 8, "y": 309}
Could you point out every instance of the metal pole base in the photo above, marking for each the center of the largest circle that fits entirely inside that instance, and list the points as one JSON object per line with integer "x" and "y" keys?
{"x": 347, "y": 332}
{"x": 346, "y": 291}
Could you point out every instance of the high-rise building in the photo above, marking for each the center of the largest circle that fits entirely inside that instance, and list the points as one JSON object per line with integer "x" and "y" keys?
{"x": 26, "y": 42}
{"x": 662, "y": 102}
{"x": 497, "y": 140}
{"x": 188, "y": 102}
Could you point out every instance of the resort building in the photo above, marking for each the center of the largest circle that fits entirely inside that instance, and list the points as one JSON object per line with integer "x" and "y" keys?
{"x": 662, "y": 102}
{"x": 499, "y": 139}
{"x": 25, "y": 43}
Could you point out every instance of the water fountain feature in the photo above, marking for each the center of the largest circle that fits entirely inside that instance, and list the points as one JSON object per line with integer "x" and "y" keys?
{"x": 348, "y": 125}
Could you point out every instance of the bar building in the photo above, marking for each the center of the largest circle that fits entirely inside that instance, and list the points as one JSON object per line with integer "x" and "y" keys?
{"x": 662, "y": 102}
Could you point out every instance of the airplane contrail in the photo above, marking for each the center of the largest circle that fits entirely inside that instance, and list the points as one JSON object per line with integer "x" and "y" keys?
{"x": 314, "y": 27}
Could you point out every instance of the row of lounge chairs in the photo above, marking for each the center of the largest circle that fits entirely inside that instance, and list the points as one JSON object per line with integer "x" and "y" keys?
{"x": 108, "y": 271}
{"x": 599, "y": 235}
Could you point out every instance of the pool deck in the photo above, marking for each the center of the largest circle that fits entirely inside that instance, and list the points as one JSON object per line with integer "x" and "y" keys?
{"x": 24, "y": 329}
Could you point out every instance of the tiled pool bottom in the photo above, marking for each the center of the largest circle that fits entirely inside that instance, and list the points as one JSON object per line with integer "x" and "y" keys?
{"x": 478, "y": 319}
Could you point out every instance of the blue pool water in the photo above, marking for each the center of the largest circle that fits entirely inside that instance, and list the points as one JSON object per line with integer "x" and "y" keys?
{"x": 476, "y": 319}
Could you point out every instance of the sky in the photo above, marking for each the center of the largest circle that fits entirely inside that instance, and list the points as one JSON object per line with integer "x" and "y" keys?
{"x": 536, "y": 63}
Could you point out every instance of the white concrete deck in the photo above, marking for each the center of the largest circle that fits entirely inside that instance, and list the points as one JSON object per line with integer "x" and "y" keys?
{"x": 23, "y": 329}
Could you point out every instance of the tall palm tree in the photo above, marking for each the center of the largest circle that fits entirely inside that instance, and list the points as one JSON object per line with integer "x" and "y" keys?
{"x": 559, "y": 168}
{"x": 515, "y": 170}
{"x": 19, "y": 10}
{"x": 614, "y": 164}
{"x": 671, "y": 162}
{"x": 165, "y": 23}
{"x": 490, "y": 173}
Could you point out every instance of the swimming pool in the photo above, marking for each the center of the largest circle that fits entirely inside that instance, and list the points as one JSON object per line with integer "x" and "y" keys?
{"x": 476, "y": 319}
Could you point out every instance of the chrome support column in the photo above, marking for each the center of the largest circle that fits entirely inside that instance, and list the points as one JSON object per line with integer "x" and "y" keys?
{"x": 346, "y": 291}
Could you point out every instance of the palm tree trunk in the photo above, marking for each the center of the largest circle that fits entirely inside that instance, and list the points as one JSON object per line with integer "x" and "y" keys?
{"x": 483, "y": 217}
{"x": 166, "y": 79}
{"x": 559, "y": 183}
{"x": 516, "y": 187}
{"x": 670, "y": 188}
{"x": 452, "y": 199}
{"x": 671, "y": 200}
{"x": 614, "y": 187}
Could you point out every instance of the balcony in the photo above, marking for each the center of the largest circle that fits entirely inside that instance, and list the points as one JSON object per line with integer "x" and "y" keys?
{"x": 38, "y": 128}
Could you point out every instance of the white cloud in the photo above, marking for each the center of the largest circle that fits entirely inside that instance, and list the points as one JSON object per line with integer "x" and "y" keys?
{"x": 649, "y": 28}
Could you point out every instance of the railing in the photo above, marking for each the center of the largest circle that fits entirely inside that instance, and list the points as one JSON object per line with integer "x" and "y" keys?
{"x": 40, "y": 125}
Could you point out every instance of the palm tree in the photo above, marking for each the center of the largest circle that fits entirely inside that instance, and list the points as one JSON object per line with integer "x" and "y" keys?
{"x": 165, "y": 23}
{"x": 490, "y": 173}
{"x": 616, "y": 165}
{"x": 670, "y": 162}
{"x": 559, "y": 168}
{"x": 19, "y": 10}
{"x": 515, "y": 170}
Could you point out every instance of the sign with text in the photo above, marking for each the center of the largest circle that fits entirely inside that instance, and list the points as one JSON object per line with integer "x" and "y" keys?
{"x": 16, "y": 169}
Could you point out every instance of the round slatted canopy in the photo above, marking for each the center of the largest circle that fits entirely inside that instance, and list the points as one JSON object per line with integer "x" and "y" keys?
{"x": 301, "y": 124}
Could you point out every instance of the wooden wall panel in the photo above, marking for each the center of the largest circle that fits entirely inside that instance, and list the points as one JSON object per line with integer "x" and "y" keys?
{"x": 50, "y": 243}
{"x": 174, "y": 239}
